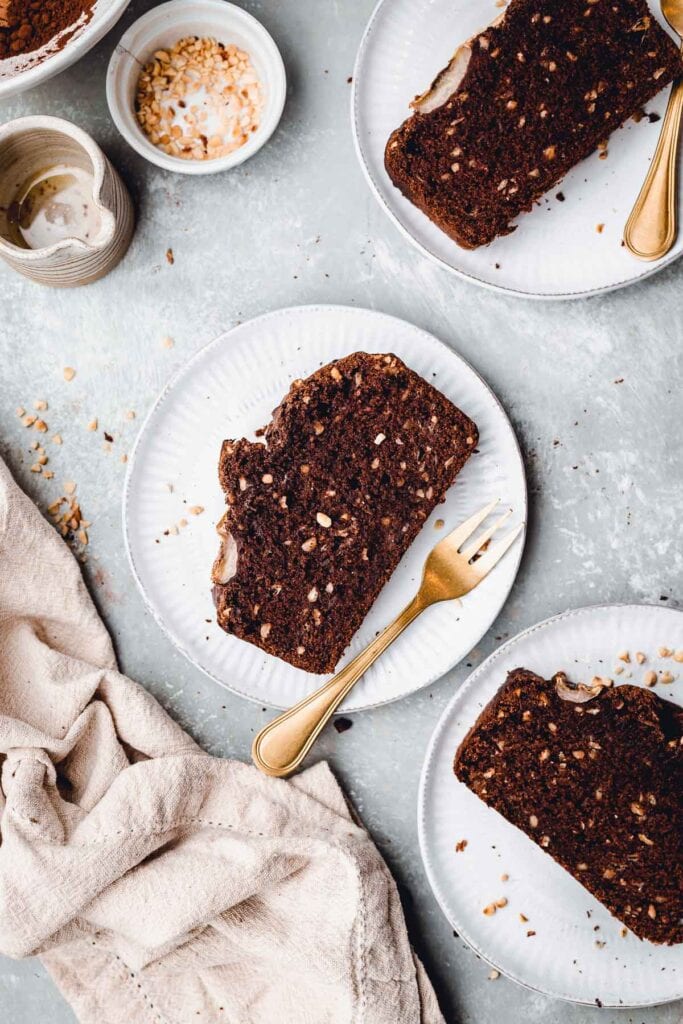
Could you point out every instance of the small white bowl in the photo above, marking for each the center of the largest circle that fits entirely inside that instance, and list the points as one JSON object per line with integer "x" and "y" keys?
{"x": 160, "y": 29}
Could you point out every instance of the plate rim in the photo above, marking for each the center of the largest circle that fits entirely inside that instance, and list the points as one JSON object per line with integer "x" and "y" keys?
{"x": 427, "y": 771}
{"x": 376, "y": 189}
{"x": 186, "y": 368}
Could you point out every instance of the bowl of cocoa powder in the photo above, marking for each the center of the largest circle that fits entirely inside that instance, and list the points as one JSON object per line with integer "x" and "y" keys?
{"x": 39, "y": 38}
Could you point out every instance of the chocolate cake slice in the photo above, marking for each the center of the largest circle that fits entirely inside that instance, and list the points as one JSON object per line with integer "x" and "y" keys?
{"x": 354, "y": 460}
{"x": 520, "y": 104}
{"x": 595, "y": 777}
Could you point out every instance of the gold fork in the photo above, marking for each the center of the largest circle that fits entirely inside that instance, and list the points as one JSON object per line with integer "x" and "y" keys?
{"x": 281, "y": 746}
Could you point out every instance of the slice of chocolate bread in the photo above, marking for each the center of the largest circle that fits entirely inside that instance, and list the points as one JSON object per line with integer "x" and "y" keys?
{"x": 355, "y": 459}
{"x": 520, "y": 104}
{"x": 598, "y": 785}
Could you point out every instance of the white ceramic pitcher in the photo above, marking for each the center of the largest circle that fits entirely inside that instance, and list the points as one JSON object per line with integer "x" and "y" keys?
{"x": 28, "y": 146}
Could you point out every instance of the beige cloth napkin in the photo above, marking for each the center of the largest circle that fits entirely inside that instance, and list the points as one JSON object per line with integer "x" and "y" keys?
{"x": 158, "y": 884}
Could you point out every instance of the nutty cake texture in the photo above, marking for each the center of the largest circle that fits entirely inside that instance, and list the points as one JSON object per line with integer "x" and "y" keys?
{"x": 520, "y": 104}
{"x": 355, "y": 459}
{"x": 597, "y": 784}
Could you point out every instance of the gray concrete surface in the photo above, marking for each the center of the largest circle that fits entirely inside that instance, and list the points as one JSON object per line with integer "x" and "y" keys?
{"x": 593, "y": 389}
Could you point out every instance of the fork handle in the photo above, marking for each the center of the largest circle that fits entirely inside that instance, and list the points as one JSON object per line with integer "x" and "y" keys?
{"x": 651, "y": 229}
{"x": 281, "y": 746}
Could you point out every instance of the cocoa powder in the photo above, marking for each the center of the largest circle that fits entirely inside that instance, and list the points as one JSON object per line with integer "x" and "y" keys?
{"x": 33, "y": 23}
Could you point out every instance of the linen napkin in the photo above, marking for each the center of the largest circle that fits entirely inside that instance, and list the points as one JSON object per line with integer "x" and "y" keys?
{"x": 158, "y": 884}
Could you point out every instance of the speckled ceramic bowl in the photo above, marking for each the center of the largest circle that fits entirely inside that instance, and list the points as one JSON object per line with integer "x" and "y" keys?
{"x": 29, "y": 145}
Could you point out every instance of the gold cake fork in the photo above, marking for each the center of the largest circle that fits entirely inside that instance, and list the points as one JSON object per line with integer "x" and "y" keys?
{"x": 448, "y": 573}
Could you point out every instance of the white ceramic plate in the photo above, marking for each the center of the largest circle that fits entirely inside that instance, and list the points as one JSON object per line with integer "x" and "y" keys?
{"x": 229, "y": 390}
{"x": 556, "y": 251}
{"x": 31, "y": 69}
{"x": 562, "y": 958}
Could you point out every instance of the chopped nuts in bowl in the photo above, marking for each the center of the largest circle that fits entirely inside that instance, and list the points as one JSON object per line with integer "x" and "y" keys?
{"x": 196, "y": 86}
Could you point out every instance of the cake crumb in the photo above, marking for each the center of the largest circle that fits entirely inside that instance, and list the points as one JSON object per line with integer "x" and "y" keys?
{"x": 170, "y": 258}
{"x": 460, "y": 845}
{"x": 599, "y": 228}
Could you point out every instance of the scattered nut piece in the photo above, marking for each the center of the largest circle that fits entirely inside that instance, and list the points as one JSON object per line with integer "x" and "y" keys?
{"x": 70, "y": 487}
{"x": 267, "y": 478}
{"x": 664, "y": 652}
{"x": 624, "y": 656}
{"x": 40, "y": 405}
{"x": 504, "y": 877}
{"x": 69, "y": 373}
{"x": 666, "y": 677}
{"x": 309, "y": 545}
{"x": 533, "y": 821}
{"x": 460, "y": 845}
{"x": 650, "y": 678}
{"x": 196, "y": 510}
{"x": 323, "y": 520}
{"x": 92, "y": 426}
{"x": 380, "y": 437}
{"x": 20, "y": 411}
{"x": 57, "y": 439}
{"x": 265, "y": 630}
{"x": 41, "y": 426}
{"x": 489, "y": 910}
{"x": 678, "y": 656}
{"x": 502, "y": 902}
{"x": 313, "y": 594}
{"x": 167, "y": 342}
{"x": 29, "y": 420}
{"x": 130, "y": 414}
{"x": 494, "y": 975}
{"x": 640, "y": 657}
{"x": 523, "y": 918}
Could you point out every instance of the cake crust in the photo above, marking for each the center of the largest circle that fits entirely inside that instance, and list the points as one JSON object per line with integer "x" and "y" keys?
{"x": 520, "y": 104}
{"x": 597, "y": 785}
{"x": 355, "y": 459}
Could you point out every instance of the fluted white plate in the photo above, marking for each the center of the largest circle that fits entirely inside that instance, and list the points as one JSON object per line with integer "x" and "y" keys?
{"x": 556, "y": 251}
{"x": 228, "y": 390}
{"x": 562, "y": 958}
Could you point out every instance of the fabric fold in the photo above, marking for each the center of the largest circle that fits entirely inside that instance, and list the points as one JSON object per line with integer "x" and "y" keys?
{"x": 160, "y": 884}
